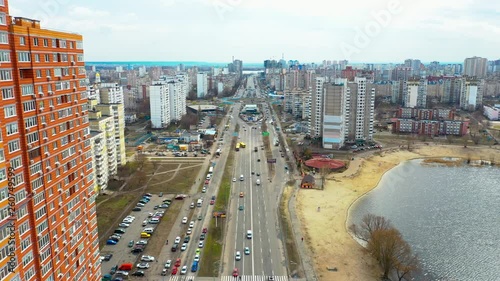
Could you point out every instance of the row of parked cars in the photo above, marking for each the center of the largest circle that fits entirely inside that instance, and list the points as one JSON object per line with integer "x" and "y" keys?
{"x": 123, "y": 271}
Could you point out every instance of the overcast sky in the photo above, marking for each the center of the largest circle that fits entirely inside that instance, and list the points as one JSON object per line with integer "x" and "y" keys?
{"x": 255, "y": 30}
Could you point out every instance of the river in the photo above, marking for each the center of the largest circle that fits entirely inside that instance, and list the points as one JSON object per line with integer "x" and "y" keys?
{"x": 449, "y": 215}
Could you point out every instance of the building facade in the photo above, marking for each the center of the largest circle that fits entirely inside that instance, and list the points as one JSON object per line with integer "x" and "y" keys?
{"x": 359, "y": 110}
{"x": 46, "y": 148}
{"x": 316, "y": 119}
{"x": 475, "y": 66}
{"x": 201, "y": 85}
{"x": 334, "y": 113}
{"x": 415, "y": 93}
{"x": 471, "y": 93}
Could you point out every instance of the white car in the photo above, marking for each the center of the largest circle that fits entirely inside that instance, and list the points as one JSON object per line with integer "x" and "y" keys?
{"x": 122, "y": 273}
{"x": 184, "y": 220}
{"x": 191, "y": 224}
{"x": 189, "y": 231}
{"x": 197, "y": 257}
{"x": 143, "y": 265}
{"x": 234, "y": 179}
{"x": 184, "y": 247}
{"x": 124, "y": 224}
{"x": 168, "y": 264}
{"x": 177, "y": 240}
{"x": 184, "y": 270}
{"x": 127, "y": 221}
{"x": 238, "y": 256}
{"x": 141, "y": 242}
{"x": 130, "y": 217}
{"x": 147, "y": 258}
{"x": 204, "y": 190}
{"x": 200, "y": 245}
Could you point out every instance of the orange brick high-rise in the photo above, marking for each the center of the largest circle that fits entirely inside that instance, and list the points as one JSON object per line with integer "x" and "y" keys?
{"x": 48, "y": 225}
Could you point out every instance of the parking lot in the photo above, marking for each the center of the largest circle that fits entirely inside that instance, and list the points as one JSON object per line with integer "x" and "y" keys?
{"x": 122, "y": 251}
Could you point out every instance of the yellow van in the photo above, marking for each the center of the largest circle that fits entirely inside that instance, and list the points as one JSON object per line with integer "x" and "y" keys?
{"x": 145, "y": 235}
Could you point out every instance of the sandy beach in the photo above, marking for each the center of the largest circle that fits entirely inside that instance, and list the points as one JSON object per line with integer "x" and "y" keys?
{"x": 325, "y": 230}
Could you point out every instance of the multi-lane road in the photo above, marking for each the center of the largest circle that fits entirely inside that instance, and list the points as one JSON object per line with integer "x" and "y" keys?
{"x": 255, "y": 210}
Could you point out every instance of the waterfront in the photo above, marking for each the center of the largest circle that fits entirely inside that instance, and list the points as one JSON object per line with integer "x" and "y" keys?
{"x": 448, "y": 214}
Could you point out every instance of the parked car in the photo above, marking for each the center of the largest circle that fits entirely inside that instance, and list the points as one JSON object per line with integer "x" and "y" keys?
{"x": 124, "y": 224}
{"x": 108, "y": 257}
{"x": 111, "y": 242}
{"x": 137, "y": 209}
{"x": 143, "y": 265}
{"x": 138, "y": 273}
{"x": 168, "y": 264}
{"x": 147, "y": 258}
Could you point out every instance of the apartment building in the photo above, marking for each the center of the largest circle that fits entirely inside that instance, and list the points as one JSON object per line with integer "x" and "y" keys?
{"x": 316, "y": 119}
{"x": 168, "y": 99}
{"x": 178, "y": 91}
{"x": 475, "y": 66}
{"x": 295, "y": 102}
{"x": 99, "y": 160}
{"x": 431, "y": 127}
{"x": 359, "y": 110}
{"x": 492, "y": 112}
{"x": 117, "y": 112}
{"x": 159, "y": 100}
{"x": 334, "y": 113}
{"x": 99, "y": 122}
{"x": 111, "y": 93}
{"x": 415, "y": 93}
{"x": 471, "y": 93}
{"x": 201, "y": 85}
{"x": 45, "y": 144}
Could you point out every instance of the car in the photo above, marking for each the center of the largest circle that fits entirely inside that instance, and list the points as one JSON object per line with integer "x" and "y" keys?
{"x": 207, "y": 181}
{"x": 174, "y": 247}
{"x": 127, "y": 221}
{"x": 119, "y": 231}
{"x": 113, "y": 270}
{"x": 177, "y": 240}
{"x": 143, "y": 265}
{"x": 213, "y": 197}
{"x": 121, "y": 273}
{"x": 234, "y": 179}
{"x": 241, "y": 194}
{"x": 241, "y": 208}
{"x": 198, "y": 251}
{"x": 258, "y": 160}
{"x": 184, "y": 270}
{"x": 164, "y": 272}
{"x": 137, "y": 209}
{"x": 141, "y": 242}
{"x": 124, "y": 224}
{"x": 192, "y": 205}
{"x": 197, "y": 257}
{"x": 253, "y": 173}
{"x": 130, "y": 217}
{"x": 161, "y": 194}
{"x": 189, "y": 231}
{"x": 247, "y": 251}
{"x": 258, "y": 174}
{"x": 191, "y": 224}
{"x": 174, "y": 271}
{"x": 205, "y": 230}
{"x": 148, "y": 195}
{"x": 184, "y": 247}
{"x": 140, "y": 205}
{"x": 178, "y": 262}
{"x": 200, "y": 217}
{"x": 200, "y": 245}
{"x": 114, "y": 238}
{"x": 237, "y": 256}
{"x": 147, "y": 258}
{"x": 108, "y": 257}
{"x": 186, "y": 239}
{"x": 212, "y": 202}
{"x": 235, "y": 272}
{"x": 204, "y": 190}
{"x": 168, "y": 264}
{"x": 164, "y": 206}
{"x": 184, "y": 220}
{"x": 111, "y": 242}
{"x": 138, "y": 273}
{"x": 150, "y": 215}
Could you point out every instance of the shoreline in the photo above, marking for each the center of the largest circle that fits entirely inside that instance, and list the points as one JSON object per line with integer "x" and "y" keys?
{"x": 327, "y": 234}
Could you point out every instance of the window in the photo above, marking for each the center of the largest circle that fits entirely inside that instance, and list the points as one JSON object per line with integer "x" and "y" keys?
{"x": 79, "y": 45}
{"x": 2, "y": 158}
{"x": 14, "y": 146}
{"x": 3, "y": 19}
{"x": 16, "y": 162}
{"x": 54, "y": 57}
{"x": 7, "y": 93}
{"x": 47, "y": 59}
{"x": 35, "y": 41}
{"x": 11, "y": 128}
{"x": 29, "y": 106}
{"x": 5, "y": 75}
{"x": 57, "y": 72}
{"x": 45, "y": 42}
{"x": 30, "y": 122}
{"x": 4, "y": 38}
{"x": 62, "y": 43}
{"x": 33, "y": 137}
{"x": 4, "y": 56}
{"x": 22, "y": 40}
{"x": 27, "y": 90}
{"x": 80, "y": 57}
{"x": 37, "y": 57}
{"x": 9, "y": 110}
{"x": 3, "y": 174}
{"x": 54, "y": 43}
{"x": 39, "y": 74}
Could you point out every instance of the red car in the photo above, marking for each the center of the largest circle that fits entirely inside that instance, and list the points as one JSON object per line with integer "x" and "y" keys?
{"x": 212, "y": 202}
{"x": 174, "y": 271}
{"x": 207, "y": 182}
{"x": 205, "y": 230}
{"x": 178, "y": 262}
{"x": 235, "y": 272}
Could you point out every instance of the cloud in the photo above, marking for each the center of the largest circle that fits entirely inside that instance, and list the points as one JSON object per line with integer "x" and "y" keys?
{"x": 84, "y": 12}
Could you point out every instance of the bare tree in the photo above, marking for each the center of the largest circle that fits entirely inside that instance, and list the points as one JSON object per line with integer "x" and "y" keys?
{"x": 369, "y": 224}
{"x": 405, "y": 263}
{"x": 188, "y": 120}
{"x": 323, "y": 172}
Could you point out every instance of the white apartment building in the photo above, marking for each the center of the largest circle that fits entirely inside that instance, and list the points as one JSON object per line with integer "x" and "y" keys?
{"x": 475, "y": 67}
{"x": 359, "y": 110}
{"x": 99, "y": 160}
{"x": 316, "y": 120}
{"x": 159, "y": 100}
{"x": 415, "y": 93}
{"x": 471, "y": 93}
{"x": 111, "y": 93}
{"x": 295, "y": 101}
{"x": 202, "y": 85}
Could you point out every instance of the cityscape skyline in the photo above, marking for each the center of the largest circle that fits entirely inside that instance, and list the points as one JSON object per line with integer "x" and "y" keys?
{"x": 115, "y": 33}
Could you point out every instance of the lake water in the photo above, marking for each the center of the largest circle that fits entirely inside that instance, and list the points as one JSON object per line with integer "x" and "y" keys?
{"x": 449, "y": 215}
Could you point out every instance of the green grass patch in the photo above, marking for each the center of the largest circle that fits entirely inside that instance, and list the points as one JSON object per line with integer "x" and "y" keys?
{"x": 293, "y": 257}
{"x": 215, "y": 238}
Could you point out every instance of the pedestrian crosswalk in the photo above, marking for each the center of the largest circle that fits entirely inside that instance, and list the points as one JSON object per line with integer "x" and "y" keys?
{"x": 253, "y": 278}
{"x": 182, "y": 278}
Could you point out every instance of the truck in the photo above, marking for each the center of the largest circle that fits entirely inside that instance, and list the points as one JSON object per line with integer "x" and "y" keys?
{"x": 211, "y": 170}
{"x": 199, "y": 202}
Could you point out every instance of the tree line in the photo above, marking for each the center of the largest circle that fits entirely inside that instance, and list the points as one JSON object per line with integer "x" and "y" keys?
{"x": 387, "y": 246}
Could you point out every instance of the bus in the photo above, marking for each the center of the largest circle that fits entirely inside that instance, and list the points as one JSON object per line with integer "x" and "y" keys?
{"x": 242, "y": 144}
{"x": 238, "y": 147}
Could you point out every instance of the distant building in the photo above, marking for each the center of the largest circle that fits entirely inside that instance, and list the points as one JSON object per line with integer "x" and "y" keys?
{"x": 430, "y": 127}
{"x": 471, "y": 93}
{"x": 415, "y": 93}
{"x": 159, "y": 100}
{"x": 201, "y": 85}
{"x": 250, "y": 108}
{"x": 492, "y": 112}
{"x": 475, "y": 66}
{"x": 111, "y": 93}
